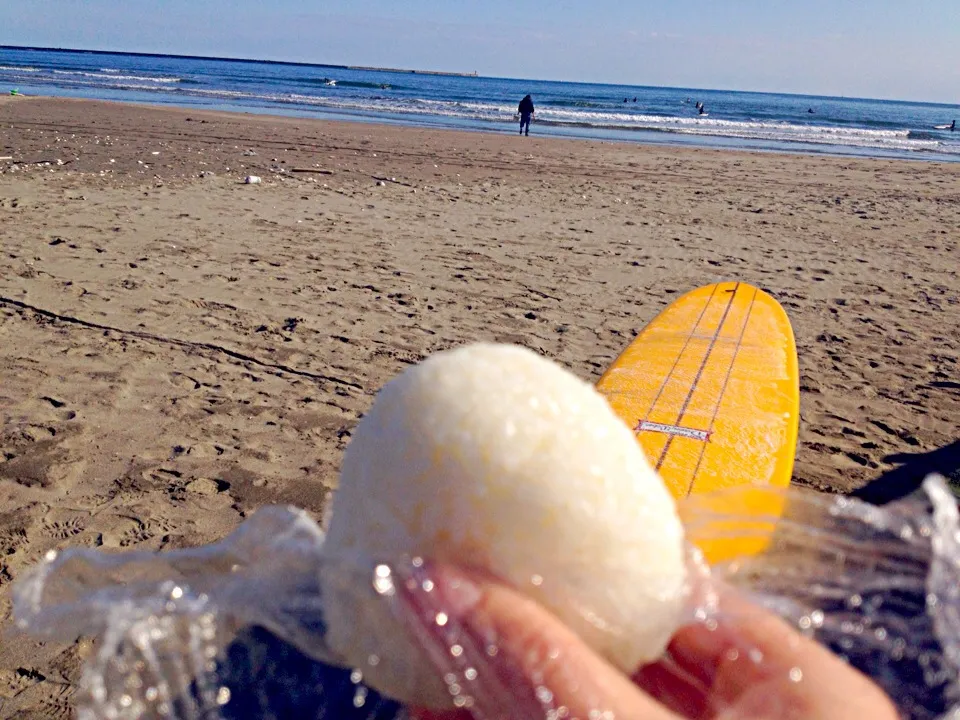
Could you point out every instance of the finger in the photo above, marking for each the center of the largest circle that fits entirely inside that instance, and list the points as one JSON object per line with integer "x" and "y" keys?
{"x": 751, "y": 648}
{"x": 676, "y": 689}
{"x": 533, "y": 662}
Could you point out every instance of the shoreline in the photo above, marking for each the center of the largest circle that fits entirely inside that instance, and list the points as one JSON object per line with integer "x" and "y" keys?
{"x": 673, "y": 142}
{"x": 179, "y": 348}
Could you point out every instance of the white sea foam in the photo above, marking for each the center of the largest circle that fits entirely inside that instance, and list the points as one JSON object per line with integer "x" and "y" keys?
{"x": 775, "y": 131}
{"x": 113, "y": 76}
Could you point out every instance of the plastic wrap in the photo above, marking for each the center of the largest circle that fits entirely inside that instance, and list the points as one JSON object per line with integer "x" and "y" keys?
{"x": 236, "y": 629}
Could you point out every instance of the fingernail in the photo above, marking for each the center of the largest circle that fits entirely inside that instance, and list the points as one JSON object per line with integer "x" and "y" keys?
{"x": 440, "y": 599}
{"x": 440, "y": 603}
{"x": 454, "y": 590}
{"x": 435, "y": 603}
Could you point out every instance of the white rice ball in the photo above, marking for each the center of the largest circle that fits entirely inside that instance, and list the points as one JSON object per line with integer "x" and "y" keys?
{"x": 492, "y": 456}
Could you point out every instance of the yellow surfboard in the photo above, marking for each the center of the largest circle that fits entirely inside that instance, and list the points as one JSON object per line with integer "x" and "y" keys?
{"x": 711, "y": 389}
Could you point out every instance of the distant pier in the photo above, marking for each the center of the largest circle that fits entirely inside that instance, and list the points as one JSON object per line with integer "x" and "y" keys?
{"x": 413, "y": 72}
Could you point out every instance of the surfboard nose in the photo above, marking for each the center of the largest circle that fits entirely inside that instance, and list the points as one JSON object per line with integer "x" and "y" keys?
{"x": 711, "y": 389}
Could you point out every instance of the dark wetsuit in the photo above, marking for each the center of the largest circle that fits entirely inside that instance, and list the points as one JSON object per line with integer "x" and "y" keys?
{"x": 526, "y": 110}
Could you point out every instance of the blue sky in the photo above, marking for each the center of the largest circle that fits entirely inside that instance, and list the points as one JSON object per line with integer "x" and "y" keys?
{"x": 868, "y": 48}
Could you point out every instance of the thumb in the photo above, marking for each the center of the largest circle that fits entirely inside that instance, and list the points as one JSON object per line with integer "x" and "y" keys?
{"x": 515, "y": 658}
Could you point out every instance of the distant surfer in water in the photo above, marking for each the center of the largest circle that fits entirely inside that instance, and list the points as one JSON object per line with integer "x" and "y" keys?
{"x": 526, "y": 111}
{"x": 951, "y": 127}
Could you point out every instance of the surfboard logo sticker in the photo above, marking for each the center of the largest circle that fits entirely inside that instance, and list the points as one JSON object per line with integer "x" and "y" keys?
{"x": 677, "y": 430}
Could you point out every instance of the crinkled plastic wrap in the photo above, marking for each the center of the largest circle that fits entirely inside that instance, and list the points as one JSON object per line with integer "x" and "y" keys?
{"x": 236, "y": 629}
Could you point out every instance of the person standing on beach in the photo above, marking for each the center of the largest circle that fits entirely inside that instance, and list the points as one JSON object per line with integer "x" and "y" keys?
{"x": 526, "y": 111}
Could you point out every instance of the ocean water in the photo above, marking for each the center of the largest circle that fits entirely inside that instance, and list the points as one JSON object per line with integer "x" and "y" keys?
{"x": 759, "y": 121}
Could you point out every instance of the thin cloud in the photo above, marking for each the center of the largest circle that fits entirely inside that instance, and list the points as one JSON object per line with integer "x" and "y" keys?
{"x": 652, "y": 35}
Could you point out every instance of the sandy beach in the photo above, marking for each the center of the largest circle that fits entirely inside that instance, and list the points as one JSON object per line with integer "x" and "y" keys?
{"x": 178, "y": 348}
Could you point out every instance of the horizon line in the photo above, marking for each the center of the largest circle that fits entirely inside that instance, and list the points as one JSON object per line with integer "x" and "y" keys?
{"x": 223, "y": 58}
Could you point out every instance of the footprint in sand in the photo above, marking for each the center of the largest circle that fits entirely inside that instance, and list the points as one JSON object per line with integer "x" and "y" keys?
{"x": 14, "y": 682}
{"x": 126, "y": 530}
{"x": 69, "y": 525}
{"x": 13, "y": 533}
{"x": 39, "y": 455}
{"x": 900, "y": 434}
{"x": 27, "y": 686}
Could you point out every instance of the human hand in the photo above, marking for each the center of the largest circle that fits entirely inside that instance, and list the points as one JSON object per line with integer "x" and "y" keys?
{"x": 751, "y": 665}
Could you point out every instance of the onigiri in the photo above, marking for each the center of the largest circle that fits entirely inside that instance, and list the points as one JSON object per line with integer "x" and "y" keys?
{"x": 492, "y": 456}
